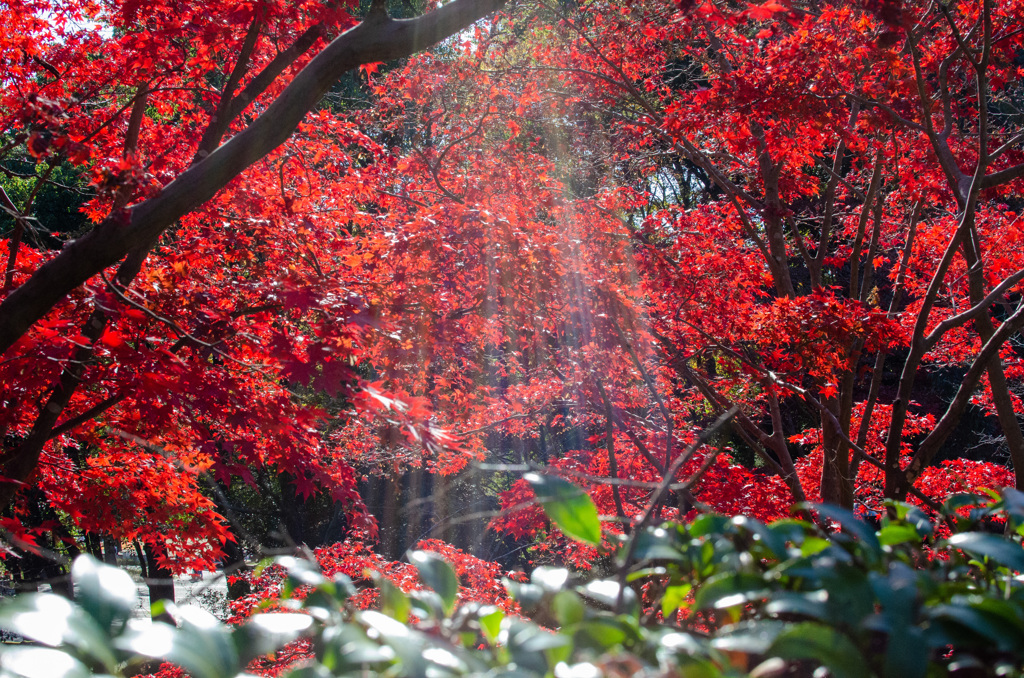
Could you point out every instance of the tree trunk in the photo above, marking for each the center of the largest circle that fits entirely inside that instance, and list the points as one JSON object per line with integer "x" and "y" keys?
{"x": 159, "y": 580}
{"x": 110, "y": 550}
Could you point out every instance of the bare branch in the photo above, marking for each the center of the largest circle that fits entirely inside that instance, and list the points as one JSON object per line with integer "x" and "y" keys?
{"x": 973, "y": 312}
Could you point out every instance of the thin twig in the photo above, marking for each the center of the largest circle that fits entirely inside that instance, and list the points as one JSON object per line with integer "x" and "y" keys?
{"x": 663, "y": 487}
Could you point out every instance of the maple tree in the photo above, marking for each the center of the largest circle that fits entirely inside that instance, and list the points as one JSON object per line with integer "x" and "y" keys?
{"x": 124, "y": 382}
{"x": 572, "y": 239}
{"x": 620, "y": 220}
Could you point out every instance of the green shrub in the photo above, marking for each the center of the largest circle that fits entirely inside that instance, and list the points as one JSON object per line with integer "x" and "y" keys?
{"x": 913, "y": 598}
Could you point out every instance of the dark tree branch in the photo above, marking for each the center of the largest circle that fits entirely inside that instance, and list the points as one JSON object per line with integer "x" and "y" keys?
{"x": 376, "y": 39}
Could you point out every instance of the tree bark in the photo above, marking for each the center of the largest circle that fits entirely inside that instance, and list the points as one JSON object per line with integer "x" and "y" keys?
{"x": 159, "y": 580}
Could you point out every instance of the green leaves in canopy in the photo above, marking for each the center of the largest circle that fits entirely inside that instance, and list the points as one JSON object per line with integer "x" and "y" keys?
{"x": 567, "y": 506}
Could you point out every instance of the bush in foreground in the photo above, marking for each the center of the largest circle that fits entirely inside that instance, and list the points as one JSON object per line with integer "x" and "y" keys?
{"x": 910, "y": 598}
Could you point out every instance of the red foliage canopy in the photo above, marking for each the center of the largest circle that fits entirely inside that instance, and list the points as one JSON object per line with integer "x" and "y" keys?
{"x": 572, "y": 237}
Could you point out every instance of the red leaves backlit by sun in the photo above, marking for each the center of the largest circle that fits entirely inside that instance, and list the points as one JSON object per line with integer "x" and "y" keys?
{"x": 572, "y": 237}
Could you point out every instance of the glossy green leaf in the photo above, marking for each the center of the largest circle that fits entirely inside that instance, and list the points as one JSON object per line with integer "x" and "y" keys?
{"x": 790, "y": 604}
{"x": 301, "y": 572}
{"x": 41, "y": 662}
{"x": 657, "y": 543}
{"x": 426, "y": 604}
{"x": 550, "y": 578}
{"x": 792, "y": 529}
{"x": 53, "y": 620}
{"x": 772, "y": 540}
{"x": 987, "y": 629}
{"x": 981, "y": 545}
{"x": 107, "y": 593}
{"x": 728, "y": 589}
{"x": 203, "y": 646}
{"x": 529, "y": 644}
{"x": 567, "y": 506}
{"x": 906, "y": 653}
{"x": 753, "y": 637}
{"x": 646, "y": 573}
{"x": 913, "y": 516}
{"x": 673, "y": 598}
{"x": 393, "y": 601}
{"x": 529, "y": 596}
{"x": 609, "y": 593}
{"x": 347, "y": 647}
{"x": 814, "y": 545}
{"x": 567, "y": 608}
{"x": 823, "y": 644}
{"x": 490, "y": 622}
{"x": 1013, "y": 502}
{"x": 864, "y": 533}
{"x": 602, "y": 634}
{"x": 893, "y": 535}
{"x": 265, "y": 633}
{"x": 436, "y": 573}
{"x": 850, "y": 596}
{"x": 676, "y": 642}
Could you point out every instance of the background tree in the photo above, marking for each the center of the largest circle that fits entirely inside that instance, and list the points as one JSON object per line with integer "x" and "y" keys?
{"x": 614, "y": 222}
